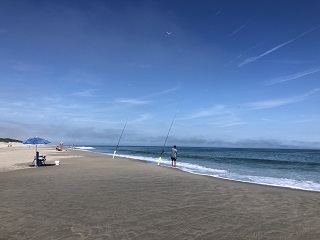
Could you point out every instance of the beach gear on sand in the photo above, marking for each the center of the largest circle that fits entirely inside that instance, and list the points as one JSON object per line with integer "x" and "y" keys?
{"x": 58, "y": 148}
{"x": 36, "y": 141}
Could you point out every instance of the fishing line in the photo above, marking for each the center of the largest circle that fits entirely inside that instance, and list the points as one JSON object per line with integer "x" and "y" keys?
{"x": 164, "y": 145}
{"x": 115, "y": 151}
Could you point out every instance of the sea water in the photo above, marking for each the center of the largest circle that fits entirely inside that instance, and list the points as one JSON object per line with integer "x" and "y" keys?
{"x": 292, "y": 168}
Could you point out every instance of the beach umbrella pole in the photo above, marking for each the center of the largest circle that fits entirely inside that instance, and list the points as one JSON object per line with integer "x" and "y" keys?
{"x": 36, "y": 141}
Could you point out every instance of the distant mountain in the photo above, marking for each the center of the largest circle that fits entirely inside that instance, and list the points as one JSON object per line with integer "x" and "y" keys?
{"x": 6, "y": 140}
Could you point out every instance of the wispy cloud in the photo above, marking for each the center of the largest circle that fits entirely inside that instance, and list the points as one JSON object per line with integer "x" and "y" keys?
{"x": 21, "y": 66}
{"x": 292, "y": 77}
{"x": 162, "y": 92}
{"x": 289, "y": 61}
{"x": 220, "y": 11}
{"x": 216, "y": 110}
{"x": 252, "y": 59}
{"x": 132, "y": 101}
{"x": 240, "y": 55}
{"x": 280, "y": 102}
{"x": 142, "y": 118}
{"x": 227, "y": 122}
{"x": 217, "y": 116}
{"x": 85, "y": 93}
{"x": 237, "y": 30}
{"x": 305, "y": 120}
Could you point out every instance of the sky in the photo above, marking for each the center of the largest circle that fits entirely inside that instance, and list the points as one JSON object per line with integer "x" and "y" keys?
{"x": 224, "y": 73}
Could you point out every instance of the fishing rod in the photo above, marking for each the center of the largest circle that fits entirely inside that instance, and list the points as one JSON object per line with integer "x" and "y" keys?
{"x": 114, "y": 153}
{"x": 164, "y": 145}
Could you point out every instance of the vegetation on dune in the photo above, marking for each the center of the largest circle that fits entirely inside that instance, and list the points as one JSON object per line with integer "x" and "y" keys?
{"x": 7, "y": 140}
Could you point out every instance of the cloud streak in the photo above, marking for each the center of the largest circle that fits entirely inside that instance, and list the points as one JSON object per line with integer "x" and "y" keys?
{"x": 240, "y": 55}
{"x": 216, "y": 110}
{"x": 292, "y": 77}
{"x": 138, "y": 101}
{"x": 220, "y": 11}
{"x": 162, "y": 92}
{"x": 217, "y": 116}
{"x": 132, "y": 101}
{"x": 252, "y": 59}
{"x": 85, "y": 93}
{"x": 281, "y": 102}
{"x": 238, "y": 29}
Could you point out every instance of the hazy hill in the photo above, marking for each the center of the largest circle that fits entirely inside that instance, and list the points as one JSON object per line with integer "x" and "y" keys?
{"x": 6, "y": 140}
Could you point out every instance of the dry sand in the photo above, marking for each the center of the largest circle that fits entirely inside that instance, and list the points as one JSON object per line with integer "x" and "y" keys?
{"x": 92, "y": 196}
{"x": 15, "y": 156}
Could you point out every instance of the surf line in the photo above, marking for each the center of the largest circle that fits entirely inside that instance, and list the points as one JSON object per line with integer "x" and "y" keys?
{"x": 115, "y": 151}
{"x": 164, "y": 145}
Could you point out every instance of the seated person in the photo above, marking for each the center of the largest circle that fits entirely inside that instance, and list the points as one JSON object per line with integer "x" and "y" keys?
{"x": 39, "y": 160}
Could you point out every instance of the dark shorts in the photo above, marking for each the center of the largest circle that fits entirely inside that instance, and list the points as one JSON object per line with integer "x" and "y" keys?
{"x": 173, "y": 159}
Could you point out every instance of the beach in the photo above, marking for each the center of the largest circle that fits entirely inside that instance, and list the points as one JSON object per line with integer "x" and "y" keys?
{"x": 92, "y": 196}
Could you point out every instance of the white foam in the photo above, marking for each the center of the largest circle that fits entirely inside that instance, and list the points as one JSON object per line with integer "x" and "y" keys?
{"x": 268, "y": 181}
{"x": 285, "y": 182}
{"x": 200, "y": 169}
{"x": 224, "y": 174}
{"x": 84, "y": 148}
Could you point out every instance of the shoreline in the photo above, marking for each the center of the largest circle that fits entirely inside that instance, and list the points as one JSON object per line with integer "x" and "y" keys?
{"x": 50, "y": 151}
{"x": 96, "y": 197}
{"x": 200, "y": 174}
{"x": 232, "y": 181}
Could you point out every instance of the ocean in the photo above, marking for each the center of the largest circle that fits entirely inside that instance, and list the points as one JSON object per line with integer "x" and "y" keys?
{"x": 291, "y": 168}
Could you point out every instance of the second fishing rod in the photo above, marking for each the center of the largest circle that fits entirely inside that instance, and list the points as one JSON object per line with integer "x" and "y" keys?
{"x": 115, "y": 151}
{"x": 164, "y": 145}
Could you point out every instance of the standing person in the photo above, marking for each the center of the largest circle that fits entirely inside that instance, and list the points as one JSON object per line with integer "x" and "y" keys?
{"x": 174, "y": 156}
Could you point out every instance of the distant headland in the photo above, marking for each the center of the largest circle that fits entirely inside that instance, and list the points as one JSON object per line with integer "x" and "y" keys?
{"x": 7, "y": 140}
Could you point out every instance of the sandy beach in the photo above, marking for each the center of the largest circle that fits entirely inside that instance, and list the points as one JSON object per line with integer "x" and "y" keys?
{"x": 14, "y": 156}
{"x": 92, "y": 196}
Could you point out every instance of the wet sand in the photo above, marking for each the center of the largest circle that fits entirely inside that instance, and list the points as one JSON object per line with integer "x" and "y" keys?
{"x": 92, "y": 196}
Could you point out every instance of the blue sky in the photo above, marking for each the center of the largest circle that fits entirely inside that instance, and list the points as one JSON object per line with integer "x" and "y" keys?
{"x": 237, "y": 73}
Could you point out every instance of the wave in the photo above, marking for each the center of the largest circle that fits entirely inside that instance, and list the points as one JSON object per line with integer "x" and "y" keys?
{"x": 292, "y": 170}
{"x": 228, "y": 175}
{"x": 267, "y": 181}
{"x": 84, "y": 148}
{"x": 262, "y": 161}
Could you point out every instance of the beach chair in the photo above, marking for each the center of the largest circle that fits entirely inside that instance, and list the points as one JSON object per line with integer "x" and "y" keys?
{"x": 39, "y": 160}
{"x": 42, "y": 159}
